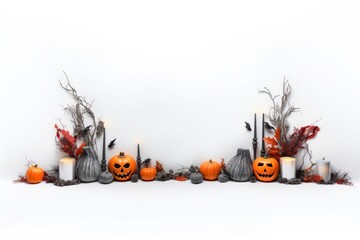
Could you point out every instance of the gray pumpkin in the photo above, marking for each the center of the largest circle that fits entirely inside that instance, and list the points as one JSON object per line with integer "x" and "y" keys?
{"x": 88, "y": 167}
{"x": 240, "y": 167}
{"x": 223, "y": 178}
{"x": 106, "y": 177}
{"x": 196, "y": 177}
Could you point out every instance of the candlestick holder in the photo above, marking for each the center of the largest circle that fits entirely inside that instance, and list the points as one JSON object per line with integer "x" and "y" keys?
{"x": 262, "y": 153}
{"x": 254, "y": 143}
{"x": 138, "y": 162}
{"x": 103, "y": 161}
{"x": 103, "y": 165}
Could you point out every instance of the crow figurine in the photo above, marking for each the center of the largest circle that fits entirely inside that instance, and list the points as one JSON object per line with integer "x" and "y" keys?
{"x": 268, "y": 127}
{"x": 247, "y": 126}
{"x": 112, "y": 144}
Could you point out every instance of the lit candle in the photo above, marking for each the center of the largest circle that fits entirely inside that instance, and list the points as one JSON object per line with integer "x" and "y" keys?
{"x": 67, "y": 169}
{"x": 288, "y": 167}
{"x": 324, "y": 170}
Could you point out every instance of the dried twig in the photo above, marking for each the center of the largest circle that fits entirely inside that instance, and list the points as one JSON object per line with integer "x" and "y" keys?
{"x": 279, "y": 113}
{"x": 309, "y": 153}
{"x": 77, "y": 112}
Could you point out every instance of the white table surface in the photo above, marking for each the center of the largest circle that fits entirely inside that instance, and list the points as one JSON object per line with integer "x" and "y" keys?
{"x": 179, "y": 210}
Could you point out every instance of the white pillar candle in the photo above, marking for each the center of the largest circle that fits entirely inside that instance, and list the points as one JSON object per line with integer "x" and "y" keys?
{"x": 288, "y": 167}
{"x": 324, "y": 170}
{"x": 67, "y": 169}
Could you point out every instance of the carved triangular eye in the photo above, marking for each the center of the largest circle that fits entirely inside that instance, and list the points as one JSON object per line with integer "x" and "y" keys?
{"x": 117, "y": 165}
{"x": 260, "y": 164}
{"x": 127, "y": 165}
{"x": 269, "y": 164}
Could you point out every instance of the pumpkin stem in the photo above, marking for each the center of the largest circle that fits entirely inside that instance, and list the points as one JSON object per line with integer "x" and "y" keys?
{"x": 266, "y": 154}
{"x": 210, "y": 161}
{"x": 122, "y": 155}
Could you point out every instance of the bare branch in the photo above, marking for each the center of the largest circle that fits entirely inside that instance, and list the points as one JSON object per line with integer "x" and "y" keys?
{"x": 77, "y": 112}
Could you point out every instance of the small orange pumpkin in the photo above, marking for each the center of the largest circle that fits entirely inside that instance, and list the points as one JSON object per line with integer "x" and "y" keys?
{"x": 34, "y": 174}
{"x": 122, "y": 166}
{"x": 148, "y": 173}
{"x": 210, "y": 170}
{"x": 266, "y": 169}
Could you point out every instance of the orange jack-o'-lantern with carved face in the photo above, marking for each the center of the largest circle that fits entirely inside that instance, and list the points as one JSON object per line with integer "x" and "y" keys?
{"x": 122, "y": 166}
{"x": 266, "y": 169}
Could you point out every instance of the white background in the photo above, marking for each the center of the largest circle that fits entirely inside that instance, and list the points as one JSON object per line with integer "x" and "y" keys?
{"x": 181, "y": 77}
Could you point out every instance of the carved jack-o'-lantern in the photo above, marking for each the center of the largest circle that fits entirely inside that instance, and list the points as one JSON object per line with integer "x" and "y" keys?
{"x": 122, "y": 166}
{"x": 266, "y": 169}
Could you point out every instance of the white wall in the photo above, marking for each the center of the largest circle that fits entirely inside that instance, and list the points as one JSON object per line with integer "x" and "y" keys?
{"x": 181, "y": 77}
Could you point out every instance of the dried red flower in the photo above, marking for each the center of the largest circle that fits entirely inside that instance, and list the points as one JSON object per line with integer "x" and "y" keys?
{"x": 67, "y": 143}
{"x": 290, "y": 145}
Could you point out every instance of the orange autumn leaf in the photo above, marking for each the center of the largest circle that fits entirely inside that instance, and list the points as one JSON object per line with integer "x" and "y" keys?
{"x": 277, "y": 134}
{"x": 274, "y": 152}
{"x": 79, "y": 150}
{"x": 270, "y": 141}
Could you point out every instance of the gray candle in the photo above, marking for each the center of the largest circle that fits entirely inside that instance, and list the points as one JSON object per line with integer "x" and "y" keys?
{"x": 323, "y": 169}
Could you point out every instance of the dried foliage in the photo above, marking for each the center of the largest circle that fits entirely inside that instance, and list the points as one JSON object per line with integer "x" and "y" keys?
{"x": 223, "y": 167}
{"x": 283, "y": 143}
{"x": 310, "y": 175}
{"x": 21, "y": 179}
{"x": 78, "y": 111}
{"x": 159, "y": 166}
{"x": 291, "y": 144}
{"x": 182, "y": 174}
{"x": 341, "y": 178}
{"x": 66, "y": 142}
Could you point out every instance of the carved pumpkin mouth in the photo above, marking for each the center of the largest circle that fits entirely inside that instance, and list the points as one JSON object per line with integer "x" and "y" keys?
{"x": 125, "y": 175}
{"x": 265, "y": 175}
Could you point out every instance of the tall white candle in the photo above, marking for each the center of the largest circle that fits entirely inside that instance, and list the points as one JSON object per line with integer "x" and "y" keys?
{"x": 324, "y": 170}
{"x": 67, "y": 169}
{"x": 288, "y": 167}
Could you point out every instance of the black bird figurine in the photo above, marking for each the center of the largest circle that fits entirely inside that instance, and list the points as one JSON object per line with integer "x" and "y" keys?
{"x": 268, "y": 127}
{"x": 146, "y": 162}
{"x": 112, "y": 143}
{"x": 84, "y": 131}
{"x": 247, "y": 126}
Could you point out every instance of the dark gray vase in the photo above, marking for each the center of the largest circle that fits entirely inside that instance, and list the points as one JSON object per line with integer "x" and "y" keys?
{"x": 88, "y": 167}
{"x": 240, "y": 167}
